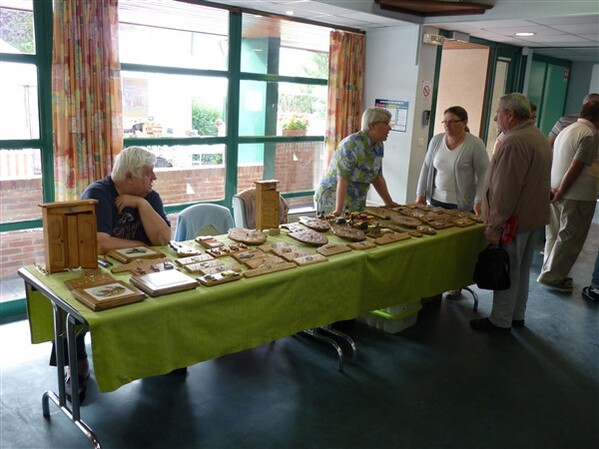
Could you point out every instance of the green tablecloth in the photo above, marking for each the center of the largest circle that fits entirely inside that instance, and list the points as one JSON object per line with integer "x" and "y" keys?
{"x": 160, "y": 334}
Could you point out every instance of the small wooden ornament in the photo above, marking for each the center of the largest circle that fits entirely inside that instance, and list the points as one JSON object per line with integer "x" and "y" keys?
{"x": 309, "y": 237}
{"x": 184, "y": 250}
{"x": 391, "y": 237}
{"x": 310, "y": 259}
{"x": 267, "y": 268}
{"x": 365, "y": 244}
{"x": 219, "y": 278}
{"x": 126, "y": 255}
{"x": 140, "y": 266}
{"x": 193, "y": 259}
{"x": 331, "y": 250}
{"x": 207, "y": 241}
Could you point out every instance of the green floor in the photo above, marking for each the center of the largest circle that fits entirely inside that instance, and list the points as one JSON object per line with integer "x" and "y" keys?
{"x": 437, "y": 384}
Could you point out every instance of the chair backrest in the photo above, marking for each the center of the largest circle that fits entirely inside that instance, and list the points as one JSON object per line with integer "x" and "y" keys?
{"x": 203, "y": 219}
{"x": 244, "y": 209}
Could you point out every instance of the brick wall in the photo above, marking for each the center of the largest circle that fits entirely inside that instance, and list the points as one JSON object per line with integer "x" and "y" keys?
{"x": 294, "y": 168}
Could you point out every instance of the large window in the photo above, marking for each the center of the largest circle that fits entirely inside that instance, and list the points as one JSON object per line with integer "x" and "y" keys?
{"x": 222, "y": 98}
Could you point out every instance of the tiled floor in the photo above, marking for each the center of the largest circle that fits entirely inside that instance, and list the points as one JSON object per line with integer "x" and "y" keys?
{"x": 437, "y": 384}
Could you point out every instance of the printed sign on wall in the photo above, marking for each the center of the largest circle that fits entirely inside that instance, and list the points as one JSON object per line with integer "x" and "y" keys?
{"x": 399, "y": 113}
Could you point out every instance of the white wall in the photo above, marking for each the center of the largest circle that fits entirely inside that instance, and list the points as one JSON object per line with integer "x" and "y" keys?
{"x": 396, "y": 66}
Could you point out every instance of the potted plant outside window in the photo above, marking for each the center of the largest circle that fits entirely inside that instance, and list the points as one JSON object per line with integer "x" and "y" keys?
{"x": 295, "y": 127}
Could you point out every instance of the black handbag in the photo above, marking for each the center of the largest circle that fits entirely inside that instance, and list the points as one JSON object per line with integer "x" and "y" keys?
{"x": 492, "y": 270}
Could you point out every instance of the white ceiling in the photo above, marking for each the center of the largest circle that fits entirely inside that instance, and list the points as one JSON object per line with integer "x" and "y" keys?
{"x": 567, "y": 29}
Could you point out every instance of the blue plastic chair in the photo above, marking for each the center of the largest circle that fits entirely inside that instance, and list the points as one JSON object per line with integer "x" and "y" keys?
{"x": 203, "y": 219}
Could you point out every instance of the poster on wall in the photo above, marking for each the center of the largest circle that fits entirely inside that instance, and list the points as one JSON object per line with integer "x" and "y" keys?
{"x": 399, "y": 113}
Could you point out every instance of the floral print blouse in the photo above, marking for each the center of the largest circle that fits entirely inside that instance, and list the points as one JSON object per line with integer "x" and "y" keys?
{"x": 357, "y": 160}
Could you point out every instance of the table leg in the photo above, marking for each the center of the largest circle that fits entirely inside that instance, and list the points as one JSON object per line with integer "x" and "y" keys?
{"x": 314, "y": 334}
{"x": 61, "y": 399}
{"x": 329, "y": 330}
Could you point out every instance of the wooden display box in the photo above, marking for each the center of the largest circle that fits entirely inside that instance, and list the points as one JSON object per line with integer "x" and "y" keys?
{"x": 267, "y": 204}
{"x": 70, "y": 238}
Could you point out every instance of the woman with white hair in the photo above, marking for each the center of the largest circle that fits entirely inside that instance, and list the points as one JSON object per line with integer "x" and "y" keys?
{"x": 357, "y": 163}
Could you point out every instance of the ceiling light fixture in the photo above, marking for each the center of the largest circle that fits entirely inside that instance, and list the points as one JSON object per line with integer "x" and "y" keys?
{"x": 524, "y": 34}
{"x": 289, "y": 12}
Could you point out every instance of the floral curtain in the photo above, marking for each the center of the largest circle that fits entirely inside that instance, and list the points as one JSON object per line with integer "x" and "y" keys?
{"x": 86, "y": 94}
{"x": 346, "y": 84}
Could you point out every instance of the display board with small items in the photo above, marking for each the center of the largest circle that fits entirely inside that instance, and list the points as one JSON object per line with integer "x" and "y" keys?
{"x": 127, "y": 255}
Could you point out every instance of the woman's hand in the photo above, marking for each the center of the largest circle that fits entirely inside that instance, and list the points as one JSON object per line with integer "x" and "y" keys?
{"x": 420, "y": 199}
{"x": 478, "y": 208}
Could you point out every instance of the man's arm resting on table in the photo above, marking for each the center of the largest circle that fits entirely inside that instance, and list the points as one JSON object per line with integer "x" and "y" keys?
{"x": 157, "y": 230}
{"x": 106, "y": 242}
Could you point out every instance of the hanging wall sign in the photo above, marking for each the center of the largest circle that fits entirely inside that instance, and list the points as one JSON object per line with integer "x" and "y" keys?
{"x": 399, "y": 113}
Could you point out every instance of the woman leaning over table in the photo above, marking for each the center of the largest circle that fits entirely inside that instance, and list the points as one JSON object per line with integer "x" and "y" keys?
{"x": 357, "y": 163}
{"x": 454, "y": 168}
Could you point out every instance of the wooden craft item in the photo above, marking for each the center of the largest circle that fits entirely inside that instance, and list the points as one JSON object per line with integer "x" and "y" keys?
{"x": 412, "y": 232}
{"x": 348, "y": 233}
{"x": 164, "y": 282}
{"x": 293, "y": 227}
{"x": 193, "y": 259}
{"x": 266, "y": 269}
{"x": 199, "y": 268}
{"x": 70, "y": 238}
{"x": 280, "y": 248}
{"x": 315, "y": 224}
{"x": 310, "y": 259}
{"x": 209, "y": 242}
{"x": 365, "y": 244}
{"x": 195, "y": 267}
{"x": 146, "y": 265}
{"x": 402, "y": 220}
{"x": 374, "y": 232}
{"x": 309, "y": 237}
{"x": 89, "y": 281}
{"x": 211, "y": 279}
{"x": 227, "y": 250}
{"x": 266, "y": 212}
{"x": 220, "y": 269}
{"x": 269, "y": 259}
{"x": 440, "y": 224}
{"x": 289, "y": 257}
{"x": 184, "y": 250}
{"x": 247, "y": 236}
{"x": 463, "y": 222}
{"x": 391, "y": 238}
{"x": 378, "y": 212}
{"x": 126, "y": 255}
{"x": 331, "y": 250}
{"x": 108, "y": 295}
{"x": 425, "y": 229}
{"x": 254, "y": 253}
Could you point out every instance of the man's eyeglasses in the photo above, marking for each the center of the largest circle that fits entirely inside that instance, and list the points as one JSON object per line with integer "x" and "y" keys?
{"x": 451, "y": 122}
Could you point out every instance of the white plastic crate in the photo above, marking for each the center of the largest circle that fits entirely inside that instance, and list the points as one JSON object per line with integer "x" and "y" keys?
{"x": 392, "y": 323}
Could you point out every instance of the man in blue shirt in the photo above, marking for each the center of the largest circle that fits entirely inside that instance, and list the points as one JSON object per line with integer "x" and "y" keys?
{"x": 129, "y": 213}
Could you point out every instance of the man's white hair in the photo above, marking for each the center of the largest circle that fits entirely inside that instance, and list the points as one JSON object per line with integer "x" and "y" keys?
{"x": 134, "y": 160}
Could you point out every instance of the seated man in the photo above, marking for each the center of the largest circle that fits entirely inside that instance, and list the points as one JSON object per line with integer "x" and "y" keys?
{"x": 129, "y": 213}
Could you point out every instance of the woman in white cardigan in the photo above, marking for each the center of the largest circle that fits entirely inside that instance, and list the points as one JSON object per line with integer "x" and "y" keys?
{"x": 454, "y": 168}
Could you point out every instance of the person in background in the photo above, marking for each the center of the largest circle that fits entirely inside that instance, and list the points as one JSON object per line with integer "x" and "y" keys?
{"x": 454, "y": 168}
{"x": 533, "y": 119}
{"x": 356, "y": 164}
{"x": 129, "y": 213}
{"x": 517, "y": 185}
{"x": 567, "y": 120}
{"x": 574, "y": 198}
{"x": 591, "y": 292}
